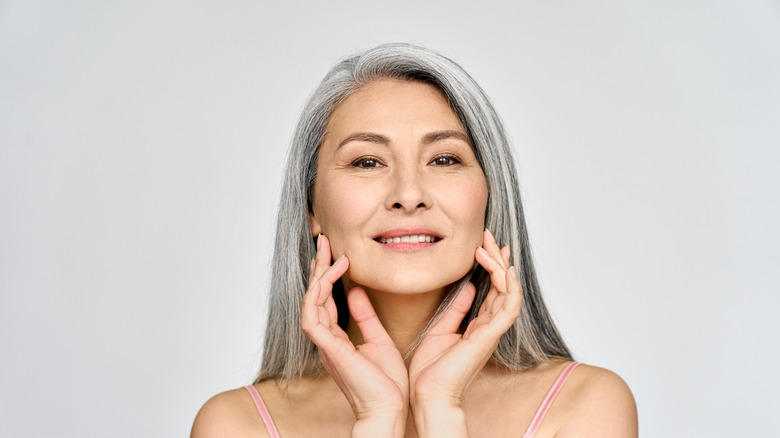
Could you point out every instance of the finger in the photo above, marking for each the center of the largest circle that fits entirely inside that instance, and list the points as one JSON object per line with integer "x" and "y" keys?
{"x": 323, "y": 256}
{"x": 507, "y": 307}
{"x": 322, "y": 294}
{"x": 333, "y": 312}
{"x": 311, "y": 270}
{"x": 494, "y": 268}
{"x": 490, "y": 298}
{"x": 330, "y": 276}
{"x": 450, "y": 321}
{"x": 328, "y": 312}
{"x": 365, "y": 317}
{"x": 514, "y": 297}
{"x": 495, "y": 317}
{"x": 329, "y": 304}
{"x": 505, "y": 255}
{"x": 489, "y": 243}
{"x": 335, "y": 271}
{"x": 310, "y": 314}
{"x": 317, "y": 321}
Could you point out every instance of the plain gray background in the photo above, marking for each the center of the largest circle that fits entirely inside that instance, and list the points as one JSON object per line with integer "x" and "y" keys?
{"x": 140, "y": 167}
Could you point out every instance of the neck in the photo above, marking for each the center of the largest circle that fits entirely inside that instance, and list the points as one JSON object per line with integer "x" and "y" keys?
{"x": 403, "y": 316}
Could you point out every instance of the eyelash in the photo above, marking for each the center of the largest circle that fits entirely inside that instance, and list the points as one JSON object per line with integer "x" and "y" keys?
{"x": 362, "y": 162}
{"x": 452, "y": 158}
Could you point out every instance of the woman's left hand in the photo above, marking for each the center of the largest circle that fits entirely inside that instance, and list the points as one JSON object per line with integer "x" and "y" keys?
{"x": 447, "y": 362}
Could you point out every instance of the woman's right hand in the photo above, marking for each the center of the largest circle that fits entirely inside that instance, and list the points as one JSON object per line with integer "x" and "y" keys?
{"x": 372, "y": 375}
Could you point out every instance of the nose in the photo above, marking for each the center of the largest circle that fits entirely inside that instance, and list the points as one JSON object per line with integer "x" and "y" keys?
{"x": 408, "y": 191}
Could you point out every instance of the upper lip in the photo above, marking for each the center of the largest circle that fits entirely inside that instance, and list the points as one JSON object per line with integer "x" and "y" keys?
{"x": 400, "y": 232}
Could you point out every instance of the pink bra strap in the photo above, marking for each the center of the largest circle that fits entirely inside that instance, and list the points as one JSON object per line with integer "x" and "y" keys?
{"x": 548, "y": 400}
{"x": 263, "y": 410}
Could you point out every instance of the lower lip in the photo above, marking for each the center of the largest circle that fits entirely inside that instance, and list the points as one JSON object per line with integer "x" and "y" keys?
{"x": 407, "y": 246}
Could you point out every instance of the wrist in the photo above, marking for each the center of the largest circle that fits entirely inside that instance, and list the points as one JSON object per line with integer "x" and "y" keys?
{"x": 440, "y": 418}
{"x": 389, "y": 425}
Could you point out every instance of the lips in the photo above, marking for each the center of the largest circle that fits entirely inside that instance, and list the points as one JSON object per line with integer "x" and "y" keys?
{"x": 410, "y": 236}
{"x": 414, "y": 238}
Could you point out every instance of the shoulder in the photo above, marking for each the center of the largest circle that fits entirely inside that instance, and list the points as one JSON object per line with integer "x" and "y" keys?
{"x": 599, "y": 403}
{"x": 229, "y": 414}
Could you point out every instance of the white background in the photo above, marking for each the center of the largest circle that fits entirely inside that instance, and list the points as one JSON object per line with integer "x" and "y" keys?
{"x": 141, "y": 147}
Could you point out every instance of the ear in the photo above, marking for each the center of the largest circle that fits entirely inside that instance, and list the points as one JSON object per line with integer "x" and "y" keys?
{"x": 314, "y": 224}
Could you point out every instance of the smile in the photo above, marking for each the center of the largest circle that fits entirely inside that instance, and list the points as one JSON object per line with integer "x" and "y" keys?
{"x": 414, "y": 238}
{"x": 411, "y": 239}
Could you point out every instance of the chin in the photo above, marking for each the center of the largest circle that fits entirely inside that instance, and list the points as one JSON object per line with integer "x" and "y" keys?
{"x": 407, "y": 282}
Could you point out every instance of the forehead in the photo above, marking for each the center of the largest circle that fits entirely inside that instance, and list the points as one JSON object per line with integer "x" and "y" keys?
{"x": 385, "y": 102}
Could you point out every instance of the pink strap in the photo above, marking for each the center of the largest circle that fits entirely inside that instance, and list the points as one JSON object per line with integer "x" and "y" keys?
{"x": 548, "y": 400}
{"x": 263, "y": 410}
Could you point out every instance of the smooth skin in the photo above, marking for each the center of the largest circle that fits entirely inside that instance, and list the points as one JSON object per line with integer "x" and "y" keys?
{"x": 363, "y": 392}
{"x": 373, "y": 376}
{"x": 395, "y": 156}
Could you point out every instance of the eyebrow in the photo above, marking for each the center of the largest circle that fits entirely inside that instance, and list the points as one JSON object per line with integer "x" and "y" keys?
{"x": 381, "y": 139}
{"x": 443, "y": 135}
{"x": 365, "y": 136}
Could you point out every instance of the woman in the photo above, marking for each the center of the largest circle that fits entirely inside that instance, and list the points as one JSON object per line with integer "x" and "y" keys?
{"x": 394, "y": 311}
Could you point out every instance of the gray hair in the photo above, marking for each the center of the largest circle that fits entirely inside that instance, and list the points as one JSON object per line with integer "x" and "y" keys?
{"x": 288, "y": 352}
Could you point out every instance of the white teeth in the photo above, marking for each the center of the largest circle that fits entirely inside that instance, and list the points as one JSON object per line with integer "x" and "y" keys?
{"x": 414, "y": 238}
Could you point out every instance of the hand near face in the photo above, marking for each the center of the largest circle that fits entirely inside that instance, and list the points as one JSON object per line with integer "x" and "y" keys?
{"x": 446, "y": 362}
{"x": 372, "y": 375}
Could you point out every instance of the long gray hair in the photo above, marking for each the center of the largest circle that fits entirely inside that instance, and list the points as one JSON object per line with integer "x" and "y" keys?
{"x": 288, "y": 353}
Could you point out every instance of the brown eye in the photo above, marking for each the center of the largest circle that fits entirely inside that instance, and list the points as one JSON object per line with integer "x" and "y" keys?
{"x": 445, "y": 160}
{"x": 366, "y": 163}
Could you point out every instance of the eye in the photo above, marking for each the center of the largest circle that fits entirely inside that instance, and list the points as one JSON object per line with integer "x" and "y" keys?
{"x": 445, "y": 160}
{"x": 367, "y": 163}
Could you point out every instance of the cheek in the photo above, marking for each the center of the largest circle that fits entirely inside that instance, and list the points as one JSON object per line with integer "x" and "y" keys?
{"x": 479, "y": 204}
{"x": 339, "y": 207}
{"x": 472, "y": 199}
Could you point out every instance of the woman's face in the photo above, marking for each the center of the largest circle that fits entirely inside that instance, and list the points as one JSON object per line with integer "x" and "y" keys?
{"x": 398, "y": 189}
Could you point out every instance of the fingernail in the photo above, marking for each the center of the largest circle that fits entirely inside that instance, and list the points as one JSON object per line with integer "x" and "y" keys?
{"x": 311, "y": 282}
{"x": 513, "y": 272}
{"x": 340, "y": 261}
{"x": 483, "y": 251}
{"x": 319, "y": 241}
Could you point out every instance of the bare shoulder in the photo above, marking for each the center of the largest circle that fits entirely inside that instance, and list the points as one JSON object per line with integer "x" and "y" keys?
{"x": 598, "y": 403}
{"x": 228, "y": 414}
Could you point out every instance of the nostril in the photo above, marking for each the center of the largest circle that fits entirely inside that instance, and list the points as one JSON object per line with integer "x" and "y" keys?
{"x": 397, "y": 205}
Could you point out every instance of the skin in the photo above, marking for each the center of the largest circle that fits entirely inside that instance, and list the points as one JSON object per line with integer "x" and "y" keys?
{"x": 392, "y": 154}
{"x": 395, "y": 156}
